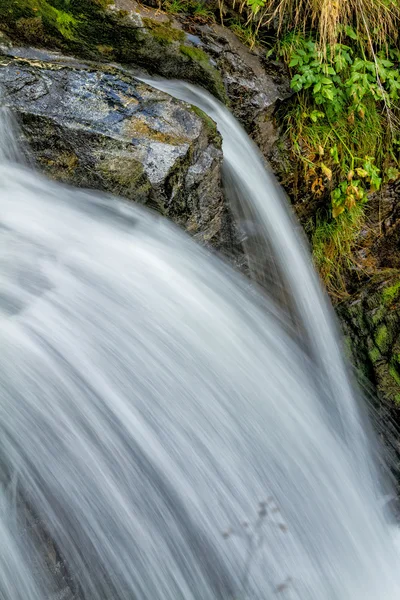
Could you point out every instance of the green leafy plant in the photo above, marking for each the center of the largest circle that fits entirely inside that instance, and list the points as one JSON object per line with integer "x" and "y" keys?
{"x": 176, "y": 6}
{"x": 256, "y": 5}
{"x": 342, "y": 128}
{"x": 341, "y": 80}
{"x": 202, "y": 11}
{"x": 340, "y": 93}
{"x": 333, "y": 245}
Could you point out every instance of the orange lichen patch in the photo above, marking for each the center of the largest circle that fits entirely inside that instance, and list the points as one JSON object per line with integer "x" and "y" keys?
{"x": 138, "y": 128}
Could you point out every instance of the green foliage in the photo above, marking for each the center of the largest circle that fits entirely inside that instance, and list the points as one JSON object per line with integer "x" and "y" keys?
{"x": 245, "y": 33}
{"x": 340, "y": 80}
{"x": 196, "y": 8}
{"x": 334, "y": 153}
{"x": 342, "y": 129}
{"x": 174, "y": 7}
{"x": 201, "y": 11}
{"x": 332, "y": 242}
{"x": 256, "y": 5}
{"x": 377, "y": 21}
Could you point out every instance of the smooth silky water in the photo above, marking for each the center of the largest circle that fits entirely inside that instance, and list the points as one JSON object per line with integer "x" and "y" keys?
{"x": 152, "y": 398}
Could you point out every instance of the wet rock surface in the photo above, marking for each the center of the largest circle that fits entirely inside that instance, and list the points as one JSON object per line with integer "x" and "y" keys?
{"x": 100, "y": 128}
{"x": 251, "y": 90}
{"x": 372, "y": 320}
{"x": 253, "y": 94}
{"x": 177, "y": 47}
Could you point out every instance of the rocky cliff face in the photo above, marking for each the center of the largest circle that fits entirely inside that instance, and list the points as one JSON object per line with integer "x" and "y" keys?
{"x": 371, "y": 316}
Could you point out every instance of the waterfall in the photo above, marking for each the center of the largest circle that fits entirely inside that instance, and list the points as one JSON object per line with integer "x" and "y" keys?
{"x": 168, "y": 429}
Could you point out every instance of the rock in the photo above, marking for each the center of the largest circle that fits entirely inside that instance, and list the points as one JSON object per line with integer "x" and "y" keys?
{"x": 130, "y": 33}
{"x": 384, "y": 227}
{"x": 371, "y": 320}
{"x": 98, "y": 127}
{"x": 92, "y": 29}
{"x": 371, "y": 316}
{"x": 251, "y": 92}
{"x": 371, "y": 323}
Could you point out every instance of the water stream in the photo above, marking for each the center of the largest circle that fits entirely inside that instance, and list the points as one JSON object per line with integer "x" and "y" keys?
{"x": 168, "y": 430}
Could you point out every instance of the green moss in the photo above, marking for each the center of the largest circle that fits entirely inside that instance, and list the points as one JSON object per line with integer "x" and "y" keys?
{"x": 105, "y": 50}
{"x": 138, "y": 128}
{"x": 64, "y": 23}
{"x": 199, "y": 57}
{"x": 378, "y": 314}
{"x": 35, "y": 16}
{"x": 196, "y": 54}
{"x": 31, "y": 29}
{"x": 391, "y": 293}
{"x": 395, "y": 374}
{"x": 374, "y": 354}
{"x": 85, "y": 29}
{"x": 381, "y": 338}
{"x": 63, "y": 167}
{"x": 211, "y": 127}
{"x": 397, "y": 399}
{"x": 164, "y": 33}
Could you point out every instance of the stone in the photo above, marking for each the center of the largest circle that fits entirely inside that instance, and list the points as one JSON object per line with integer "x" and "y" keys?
{"x": 176, "y": 47}
{"x": 98, "y": 127}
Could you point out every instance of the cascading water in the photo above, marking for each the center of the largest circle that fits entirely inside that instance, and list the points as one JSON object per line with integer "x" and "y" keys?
{"x": 151, "y": 398}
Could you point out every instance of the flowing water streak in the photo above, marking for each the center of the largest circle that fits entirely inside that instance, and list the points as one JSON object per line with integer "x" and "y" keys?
{"x": 258, "y": 199}
{"x": 151, "y": 397}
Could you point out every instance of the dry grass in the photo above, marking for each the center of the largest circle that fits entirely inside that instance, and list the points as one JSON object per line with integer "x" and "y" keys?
{"x": 377, "y": 20}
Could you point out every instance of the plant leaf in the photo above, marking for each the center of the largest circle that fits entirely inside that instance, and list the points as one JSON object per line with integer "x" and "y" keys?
{"x": 326, "y": 171}
{"x": 337, "y": 210}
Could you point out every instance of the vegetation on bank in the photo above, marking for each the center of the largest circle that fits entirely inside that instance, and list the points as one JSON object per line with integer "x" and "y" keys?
{"x": 342, "y": 126}
{"x": 343, "y": 130}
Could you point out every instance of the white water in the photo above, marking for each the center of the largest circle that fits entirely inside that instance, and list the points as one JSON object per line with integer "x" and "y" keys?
{"x": 151, "y": 398}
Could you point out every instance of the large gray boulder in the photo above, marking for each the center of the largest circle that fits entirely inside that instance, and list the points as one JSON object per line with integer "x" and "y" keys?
{"x": 98, "y": 127}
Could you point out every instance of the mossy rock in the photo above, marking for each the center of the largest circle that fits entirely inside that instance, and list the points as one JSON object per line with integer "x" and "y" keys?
{"x": 164, "y": 33}
{"x": 87, "y": 29}
{"x": 210, "y": 126}
{"x": 200, "y": 62}
{"x": 372, "y": 321}
{"x": 98, "y": 127}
